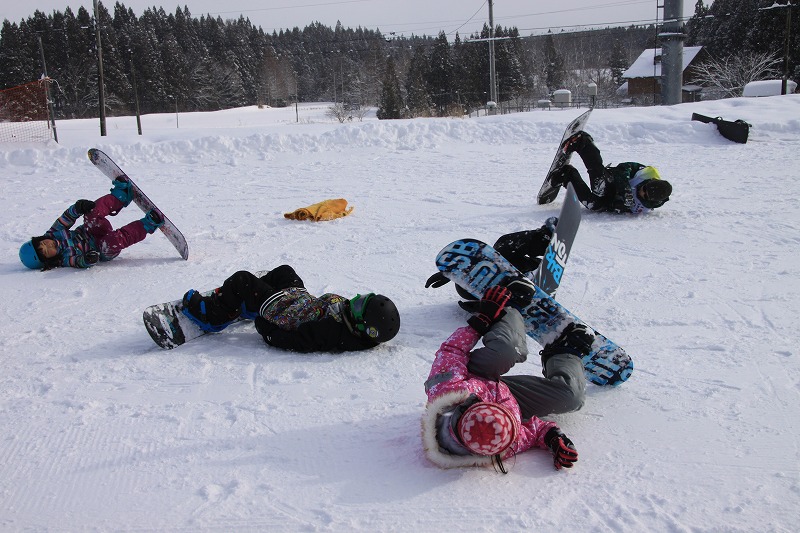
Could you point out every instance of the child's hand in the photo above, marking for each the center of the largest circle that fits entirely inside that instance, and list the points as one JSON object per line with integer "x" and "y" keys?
{"x": 84, "y": 206}
{"x": 564, "y": 453}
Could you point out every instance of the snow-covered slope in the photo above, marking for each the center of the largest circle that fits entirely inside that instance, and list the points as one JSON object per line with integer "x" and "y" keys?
{"x": 103, "y": 430}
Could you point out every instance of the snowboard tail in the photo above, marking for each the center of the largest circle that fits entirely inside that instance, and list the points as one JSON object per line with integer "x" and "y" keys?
{"x": 112, "y": 171}
{"x": 476, "y": 266}
{"x": 548, "y": 191}
{"x": 170, "y": 326}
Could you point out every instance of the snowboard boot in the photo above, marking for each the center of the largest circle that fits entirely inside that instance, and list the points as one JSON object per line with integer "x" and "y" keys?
{"x": 522, "y": 290}
{"x": 208, "y": 312}
{"x": 560, "y": 177}
{"x": 576, "y": 142}
{"x": 123, "y": 190}
{"x": 152, "y": 221}
{"x": 576, "y": 339}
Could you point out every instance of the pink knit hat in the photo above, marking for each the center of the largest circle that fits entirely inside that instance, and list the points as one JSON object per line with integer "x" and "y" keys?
{"x": 487, "y": 428}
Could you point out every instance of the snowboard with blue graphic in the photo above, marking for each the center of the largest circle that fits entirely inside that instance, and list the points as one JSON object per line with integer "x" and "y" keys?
{"x": 548, "y": 191}
{"x": 112, "y": 171}
{"x": 476, "y": 266}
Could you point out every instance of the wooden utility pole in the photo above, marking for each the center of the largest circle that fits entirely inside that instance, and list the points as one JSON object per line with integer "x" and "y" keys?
{"x": 492, "y": 75}
{"x": 47, "y": 91}
{"x": 100, "y": 84}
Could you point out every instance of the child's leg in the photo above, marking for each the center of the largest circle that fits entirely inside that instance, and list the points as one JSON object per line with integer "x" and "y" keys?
{"x": 283, "y": 277}
{"x": 503, "y": 346}
{"x": 104, "y": 206}
{"x": 523, "y": 248}
{"x": 95, "y": 220}
{"x": 112, "y": 243}
{"x": 97, "y": 226}
{"x": 585, "y": 195}
{"x": 245, "y": 289}
{"x": 562, "y": 391}
{"x": 590, "y": 155}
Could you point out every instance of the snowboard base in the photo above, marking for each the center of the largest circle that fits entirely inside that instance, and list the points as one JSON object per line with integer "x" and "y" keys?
{"x": 476, "y": 266}
{"x": 548, "y": 274}
{"x": 110, "y": 169}
{"x": 548, "y": 191}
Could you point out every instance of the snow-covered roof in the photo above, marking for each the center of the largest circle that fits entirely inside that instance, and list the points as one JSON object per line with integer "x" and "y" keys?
{"x": 643, "y": 66}
{"x": 768, "y": 88}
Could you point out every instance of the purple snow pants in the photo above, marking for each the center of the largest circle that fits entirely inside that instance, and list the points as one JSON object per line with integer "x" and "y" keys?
{"x": 111, "y": 242}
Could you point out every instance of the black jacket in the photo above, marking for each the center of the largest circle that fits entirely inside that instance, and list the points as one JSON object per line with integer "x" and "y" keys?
{"x": 297, "y": 321}
{"x": 323, "y": 335}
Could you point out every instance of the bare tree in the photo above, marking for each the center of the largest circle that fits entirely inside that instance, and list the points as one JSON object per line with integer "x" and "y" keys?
{"x": 728, "y": 76}
{"x": 359, "y": 112}
{"x": 340, "y": 112}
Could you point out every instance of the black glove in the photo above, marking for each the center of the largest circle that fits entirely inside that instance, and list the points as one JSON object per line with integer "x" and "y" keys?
{"x": 91, "y": 257}
{"x": 564, "y": 453}
{"x": 489, "y": 309}
{"x": 436, "y": 281}
{"x": 84, "y": 206}
{"x": 550, "y": 225}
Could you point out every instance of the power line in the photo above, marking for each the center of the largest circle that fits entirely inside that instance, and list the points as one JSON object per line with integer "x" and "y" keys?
{"x": 242, "y": 11}
{"x": 468, "y": 20}
{"x": 439, "y": 25}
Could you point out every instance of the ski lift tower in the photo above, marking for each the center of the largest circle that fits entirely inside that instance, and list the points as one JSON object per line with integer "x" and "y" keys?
{"x": 492, "y": 103}
{"x": 671, "y": 38}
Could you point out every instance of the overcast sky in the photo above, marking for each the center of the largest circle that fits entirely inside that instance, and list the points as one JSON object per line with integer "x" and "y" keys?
{"x": 404, "y": 17}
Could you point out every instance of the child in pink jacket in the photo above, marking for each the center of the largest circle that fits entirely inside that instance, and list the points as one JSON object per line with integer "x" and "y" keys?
{"x": 477, "y": 417}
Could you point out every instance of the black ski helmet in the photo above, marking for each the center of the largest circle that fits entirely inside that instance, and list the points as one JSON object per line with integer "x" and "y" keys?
{"x": 654, "y": 191}
{"x": 375, "y": 316}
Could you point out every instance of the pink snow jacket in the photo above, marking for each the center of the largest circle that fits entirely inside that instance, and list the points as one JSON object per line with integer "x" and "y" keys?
{"x": 449, "y": 384}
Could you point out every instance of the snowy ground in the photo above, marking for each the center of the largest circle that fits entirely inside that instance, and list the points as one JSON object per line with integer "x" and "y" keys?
{"x": 105, "y": 431}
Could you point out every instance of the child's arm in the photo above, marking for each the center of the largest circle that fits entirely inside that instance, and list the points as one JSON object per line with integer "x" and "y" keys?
{"x": 66, "y": 220}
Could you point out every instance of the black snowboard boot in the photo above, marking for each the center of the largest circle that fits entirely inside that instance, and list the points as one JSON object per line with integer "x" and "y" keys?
{"x": 209, "y": 310}
{"x": 562, "y": 176}
{"x": 521, "y": 288}
{"x": 576, "y": 339}
{"x": 577, "y": 142}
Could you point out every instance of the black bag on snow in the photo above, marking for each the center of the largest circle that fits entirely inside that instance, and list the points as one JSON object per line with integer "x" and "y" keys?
{"x": 735, "y": 131}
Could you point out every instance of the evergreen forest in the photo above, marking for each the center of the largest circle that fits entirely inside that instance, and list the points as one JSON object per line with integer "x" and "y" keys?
{"x": 160, "y": 61}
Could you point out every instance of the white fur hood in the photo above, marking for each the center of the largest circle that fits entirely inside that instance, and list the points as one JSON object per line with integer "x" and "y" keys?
{"x": 433, "y": 452}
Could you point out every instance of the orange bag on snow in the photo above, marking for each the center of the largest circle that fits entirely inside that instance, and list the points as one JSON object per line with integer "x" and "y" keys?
{"x": 325, "y": 210}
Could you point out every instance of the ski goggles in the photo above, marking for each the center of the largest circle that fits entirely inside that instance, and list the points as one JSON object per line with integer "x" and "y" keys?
{"x": 357, "y": 307}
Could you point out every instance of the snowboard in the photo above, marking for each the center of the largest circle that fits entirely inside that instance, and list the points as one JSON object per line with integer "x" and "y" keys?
{"x": 169, "y": 326}
{"x": 476, "y": 266}
{"x": 548, "y": 274}
{"x": 548, "y": 191}
{"x": 110, "y": 169}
